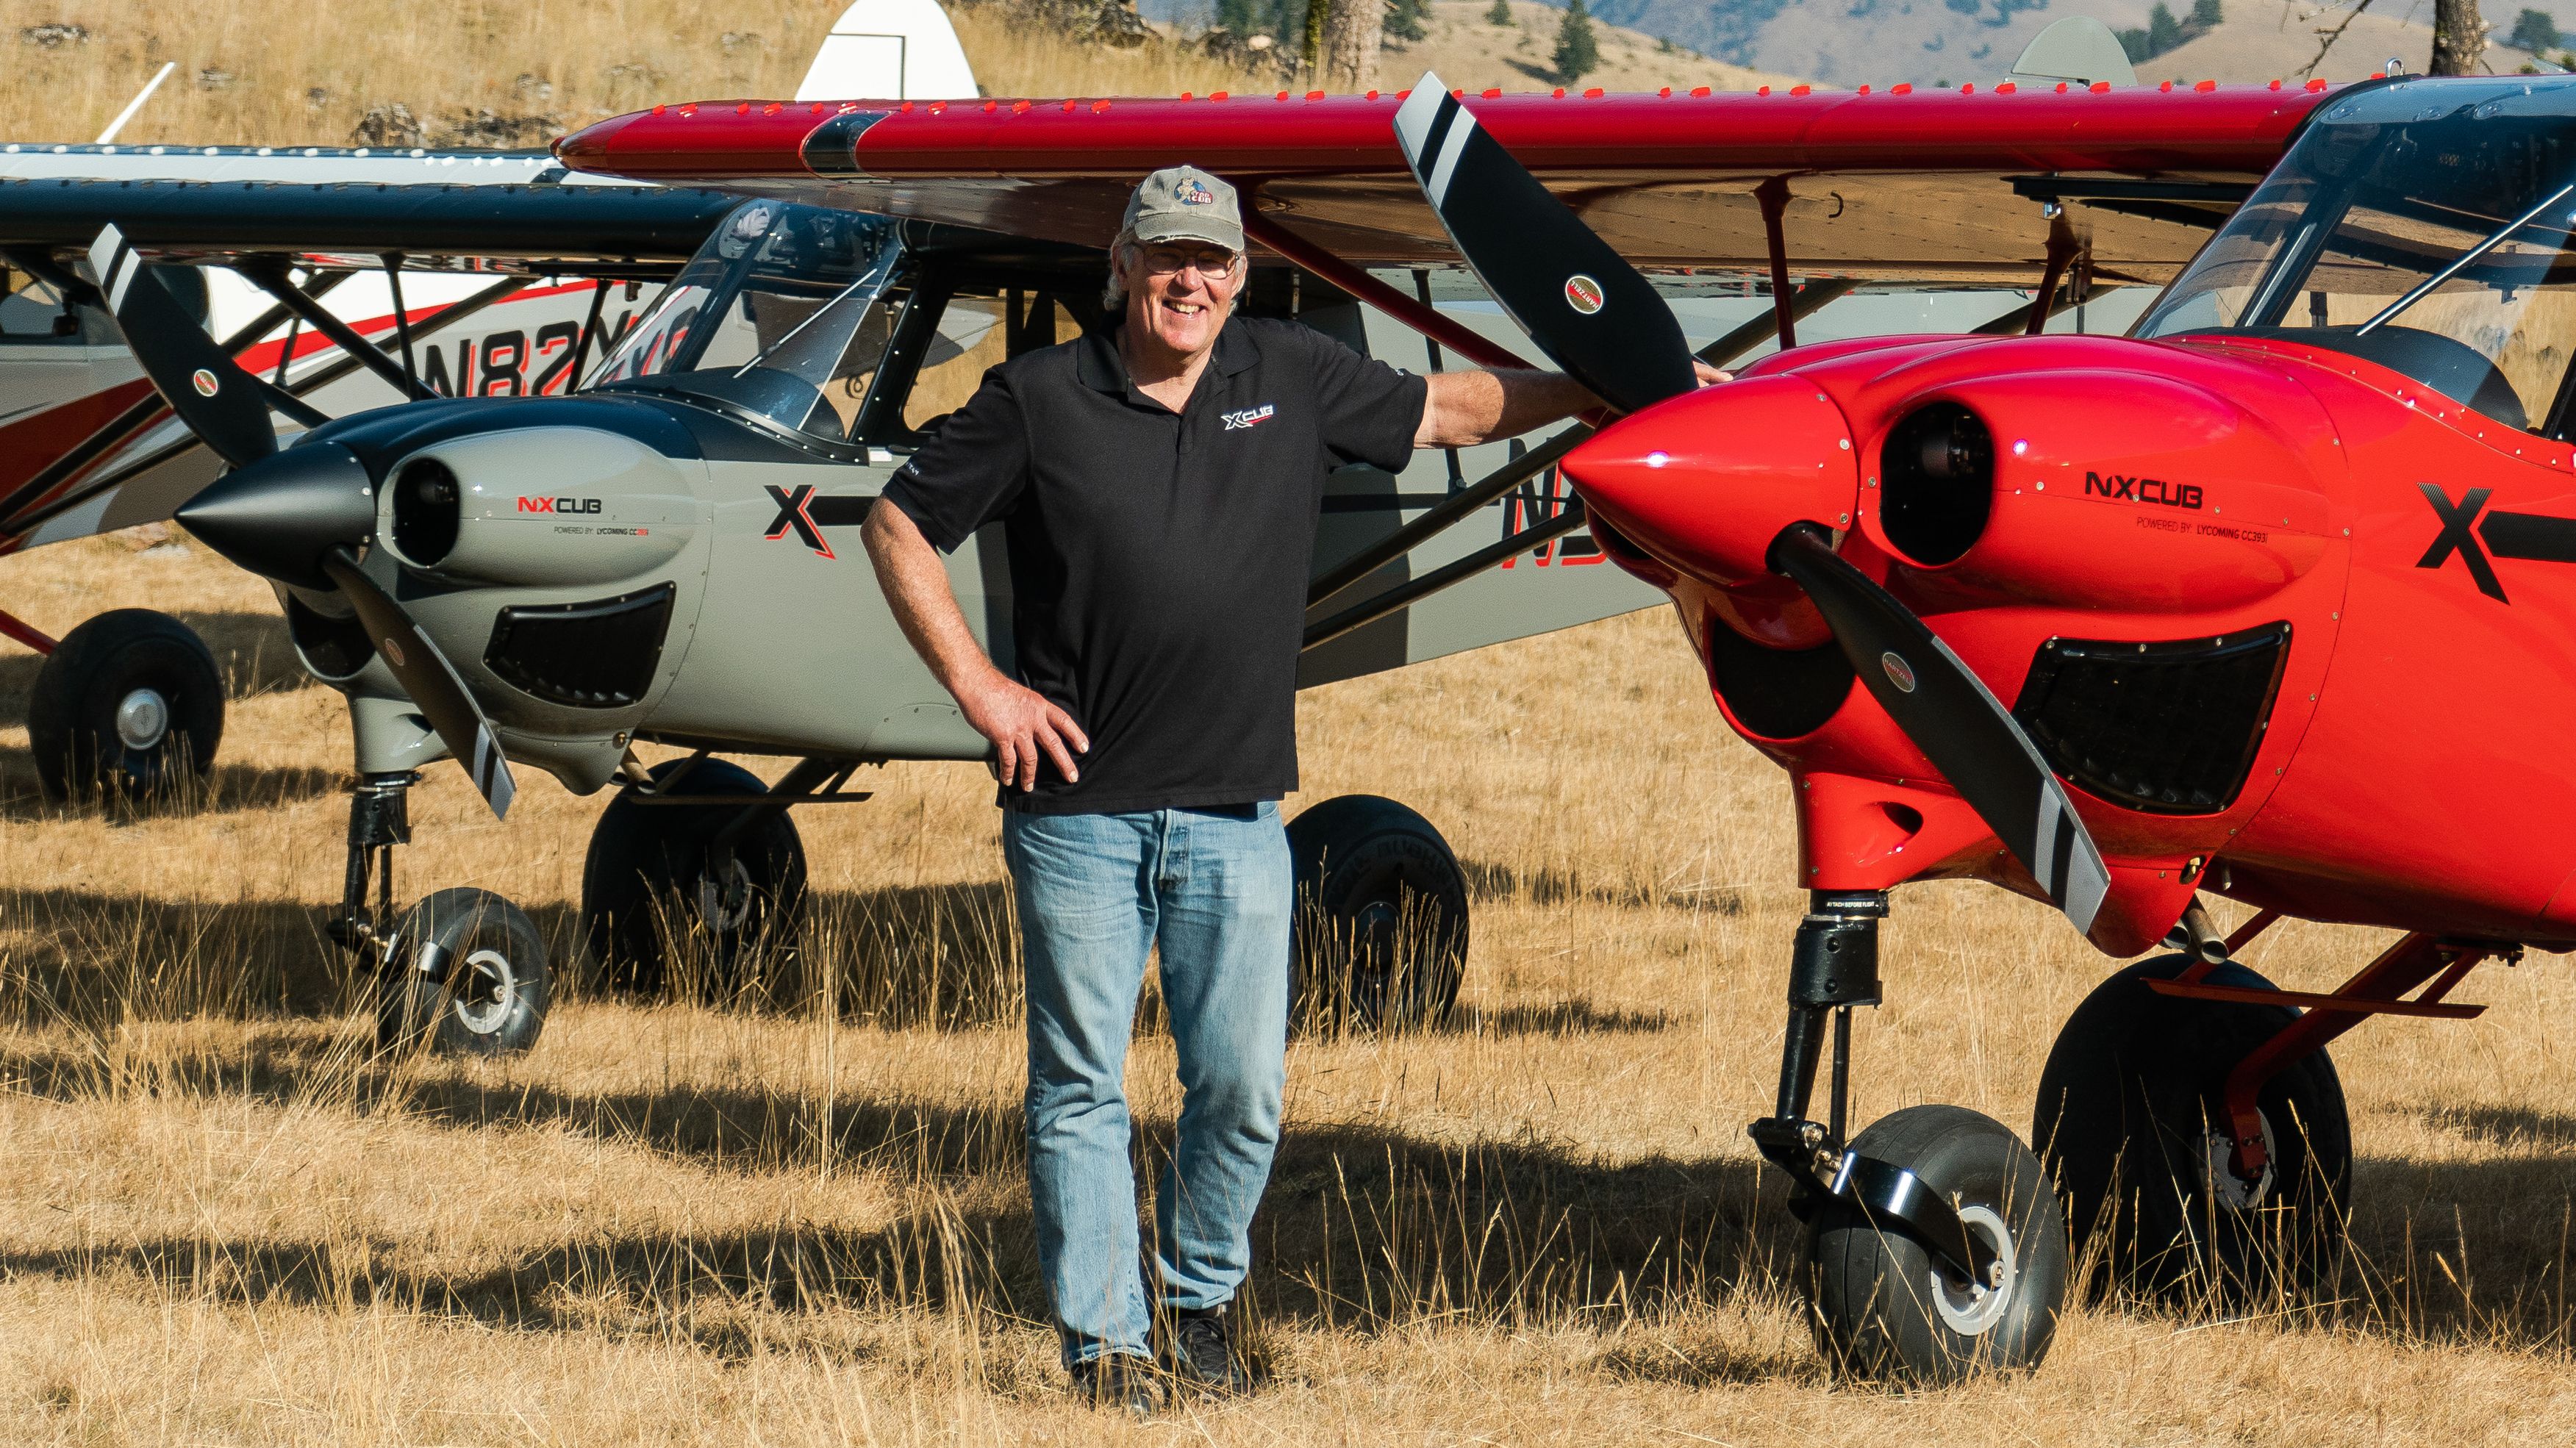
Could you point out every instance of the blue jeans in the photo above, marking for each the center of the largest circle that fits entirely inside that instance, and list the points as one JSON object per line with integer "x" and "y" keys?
{"x": 1096, "y": 891}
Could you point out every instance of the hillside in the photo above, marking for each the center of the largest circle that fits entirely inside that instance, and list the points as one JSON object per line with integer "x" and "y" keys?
{"x": 2281, "y": 40}
{"x": 1469, "y": 51}
{"x": 1850, "y": 42}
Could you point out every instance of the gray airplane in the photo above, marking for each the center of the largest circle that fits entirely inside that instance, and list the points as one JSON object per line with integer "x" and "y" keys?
{"x": 670, "y": 556}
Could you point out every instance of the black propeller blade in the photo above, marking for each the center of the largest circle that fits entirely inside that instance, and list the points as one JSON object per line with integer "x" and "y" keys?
{"x": 220, "y": 402}
{"x": 1954, "y": 719}
{"x": 430, "y": 679}
{"x": 1579, "y": 300}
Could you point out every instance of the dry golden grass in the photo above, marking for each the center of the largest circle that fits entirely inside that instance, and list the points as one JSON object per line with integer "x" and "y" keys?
{"x": 257, "y": 71}
{"x": 254, "y": 70}
{"x": 778, "y": 1224}
{"x": 676, "y": 1223}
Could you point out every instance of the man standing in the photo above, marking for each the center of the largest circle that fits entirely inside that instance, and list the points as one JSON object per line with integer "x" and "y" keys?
{"x": 1160, "y": 482}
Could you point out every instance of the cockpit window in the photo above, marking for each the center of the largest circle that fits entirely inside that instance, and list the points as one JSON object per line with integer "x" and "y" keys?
{"x": 2424, "y": 227}
{"x": 782, "y": 313}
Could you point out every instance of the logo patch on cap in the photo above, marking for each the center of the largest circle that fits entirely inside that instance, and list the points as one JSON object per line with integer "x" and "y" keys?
{"x": 203, "y": 381}
{"x": 1583, "y": 294}
{"x": 1194, "y": 192}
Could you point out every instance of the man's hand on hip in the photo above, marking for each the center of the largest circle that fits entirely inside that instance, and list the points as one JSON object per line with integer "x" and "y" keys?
{"x": 1021, "y": 723}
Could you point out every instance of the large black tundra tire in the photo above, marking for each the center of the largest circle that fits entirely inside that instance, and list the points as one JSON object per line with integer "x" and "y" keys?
{"x": 2131, "y": 1125}
{"x": 653, "y": 894}
{"x": 128, "y": 706}
{"x": 1381, "y": 926}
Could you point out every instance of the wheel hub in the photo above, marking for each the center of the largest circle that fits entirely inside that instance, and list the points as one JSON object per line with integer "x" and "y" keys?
{"x": 2231, "y": 1190}
{"x": 485, "y": 991}
{"x": 1373, "y": 932}
{"x": 1972, "y": 1309}
{"x": 724, "y": 899}
{"x": 142, "y": 719}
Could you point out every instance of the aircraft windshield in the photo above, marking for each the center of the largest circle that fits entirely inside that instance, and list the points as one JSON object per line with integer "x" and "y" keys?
{"x": 2422, "y": 226}
{"x": 780, "y": 304}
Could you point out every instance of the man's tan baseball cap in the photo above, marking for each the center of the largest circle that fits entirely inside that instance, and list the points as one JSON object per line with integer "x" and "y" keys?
{"x": 1184, "y": 203}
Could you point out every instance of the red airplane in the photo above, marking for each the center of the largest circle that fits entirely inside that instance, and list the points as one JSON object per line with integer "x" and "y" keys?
{"x": 2249, "y": 577}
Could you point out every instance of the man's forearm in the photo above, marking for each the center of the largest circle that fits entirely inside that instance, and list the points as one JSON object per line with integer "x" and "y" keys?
{"x": 1466, "y": 408}
{"x": 916, "y": 589}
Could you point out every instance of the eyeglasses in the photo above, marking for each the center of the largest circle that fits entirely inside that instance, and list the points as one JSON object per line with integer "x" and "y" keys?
{"x": 1213, "y": 263}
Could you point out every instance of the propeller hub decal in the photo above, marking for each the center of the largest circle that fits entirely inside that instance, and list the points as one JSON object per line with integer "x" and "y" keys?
{"x": 393, "y": 652}
{"x": 1583, "y": 294}
{"x": 1899, "y": 672}
{"x": 204, "y": 381}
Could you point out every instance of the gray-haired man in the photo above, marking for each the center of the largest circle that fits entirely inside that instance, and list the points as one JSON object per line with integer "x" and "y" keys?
{"x": 1160, "y": 483}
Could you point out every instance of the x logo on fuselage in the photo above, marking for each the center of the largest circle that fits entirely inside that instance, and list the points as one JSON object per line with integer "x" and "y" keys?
{"x": 2534, "y": 537}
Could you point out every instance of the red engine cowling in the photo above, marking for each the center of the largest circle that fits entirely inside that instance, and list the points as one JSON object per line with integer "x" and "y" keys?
{"x": 2014, "y": 493}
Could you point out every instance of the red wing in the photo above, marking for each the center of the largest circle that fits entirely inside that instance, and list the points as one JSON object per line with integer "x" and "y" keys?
{"x": 1921, "y": 185}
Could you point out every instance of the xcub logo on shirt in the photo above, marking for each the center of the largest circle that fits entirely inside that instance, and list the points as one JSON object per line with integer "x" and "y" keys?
{"x": 1246, "y": 417}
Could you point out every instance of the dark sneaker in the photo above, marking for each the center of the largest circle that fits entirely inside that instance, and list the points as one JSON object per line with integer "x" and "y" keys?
{"x": 1120, "y": 1380}
{"x": 1202, "y": 1353}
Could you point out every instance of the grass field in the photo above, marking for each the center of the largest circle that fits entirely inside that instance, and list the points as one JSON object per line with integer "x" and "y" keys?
{"x": 777, "y": 1223}
{"x": 768, "y": 1224}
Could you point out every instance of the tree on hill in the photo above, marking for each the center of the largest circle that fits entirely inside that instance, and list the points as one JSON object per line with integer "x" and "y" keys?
{"x": 2163, "y": 32}
{"x": 1577, "y": 53}
{"x": 1499, "y": 13}
{"x": 2535, "y": 31}
{"x": 1404, "y": 20}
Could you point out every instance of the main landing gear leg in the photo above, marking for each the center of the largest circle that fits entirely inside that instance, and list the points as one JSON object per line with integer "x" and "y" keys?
{"x": 1934, "y": 1246}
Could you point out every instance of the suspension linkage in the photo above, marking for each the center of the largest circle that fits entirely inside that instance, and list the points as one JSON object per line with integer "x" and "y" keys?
{"x": 1833, "y": 967}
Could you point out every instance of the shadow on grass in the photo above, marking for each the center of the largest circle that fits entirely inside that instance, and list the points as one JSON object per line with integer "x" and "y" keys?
{"x": 226, "y": 789}
{"x": 1575, "y": 1016}
{"x": 1488, "y": 880}
{"x": 1362, "y": 1229}
{"x": 2519, "y": 1127}
{"x": 93, "y": 961}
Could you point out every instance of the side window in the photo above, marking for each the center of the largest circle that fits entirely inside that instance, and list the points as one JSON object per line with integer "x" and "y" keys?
{"x": 33, "y": 312}
{"x": 778, "y": 320}
{"x": 971, "y": 339}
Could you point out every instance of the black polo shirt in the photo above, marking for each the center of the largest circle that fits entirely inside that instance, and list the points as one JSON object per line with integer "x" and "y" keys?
{"x": 1159, "y": 561}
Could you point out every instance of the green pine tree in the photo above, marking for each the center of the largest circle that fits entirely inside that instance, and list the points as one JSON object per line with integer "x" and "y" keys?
{"x": 2205, "y": 15}
{"x": 2535, "y": 31}
{"x": 1404, "y": 20}
{"x": 1499, "y": 13}
{"x": 1577, "y": 54}
{"x": 2163, "y": 31}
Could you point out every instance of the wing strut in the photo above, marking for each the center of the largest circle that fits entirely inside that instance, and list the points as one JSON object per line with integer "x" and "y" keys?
{"x": 1448, "y": 333}
{"x": 271, "y": 278}
{"x": 1406, "y": 595}
{"x": 448, "y": 316}
{"x": 1774, "y": 198}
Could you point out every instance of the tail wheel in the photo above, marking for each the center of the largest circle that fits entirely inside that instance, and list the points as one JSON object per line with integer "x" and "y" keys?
{"x": 1381, "y": 925}
{"x": 2133, "y": 1127}
{"x": 1884, "y": 1309}
{"x": 128, "y": 706}
{"x": 468, "y": 975}
{"x": 659, "y": 887}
